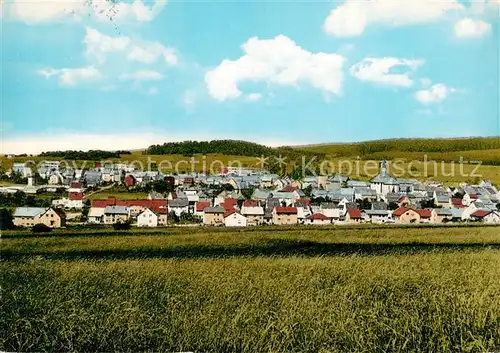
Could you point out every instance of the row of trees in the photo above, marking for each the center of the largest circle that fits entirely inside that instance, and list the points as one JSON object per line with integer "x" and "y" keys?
{"x": 93, "y": 155}
{"x": 20, "y": 199}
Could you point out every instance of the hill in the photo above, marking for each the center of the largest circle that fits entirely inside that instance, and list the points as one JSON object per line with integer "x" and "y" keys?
{"x": 485, "y": 149}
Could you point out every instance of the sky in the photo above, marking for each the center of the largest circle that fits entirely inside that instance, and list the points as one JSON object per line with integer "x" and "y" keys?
{"x": 96, "y": 74}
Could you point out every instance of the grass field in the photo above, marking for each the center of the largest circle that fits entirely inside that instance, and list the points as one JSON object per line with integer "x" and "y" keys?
{"x": 292, "y": 290}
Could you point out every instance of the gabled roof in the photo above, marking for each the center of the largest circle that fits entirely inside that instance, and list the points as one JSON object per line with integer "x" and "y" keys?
{"x": 76, "y": 196}
{"x": 318, "y": 216}
{"x": 231, "y": 212}
{"x": 201, "y": 205}
{"x": 401, "y": 210}
{"x": 216, "y": 209}
{"x": 179, "y": 203}
{"x": 250, "y": 203}
{"x": 481, "y": 213}
{"x": 75, "y": 185}
{"x": 286, "y": 210}
{"x": 29, "y": 212}
{"x": 303, "y": 201}
{"x": 116, "y": 210}
{"x": 289, "y": 188}
{"x": 425, "y": 213}
{"x": 354, "y": 213}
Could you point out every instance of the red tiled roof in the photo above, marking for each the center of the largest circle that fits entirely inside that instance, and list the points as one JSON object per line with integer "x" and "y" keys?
{"x": 75, "y": 185}
{"x": 200, "y": 206}
{"x": 480, "y": 213}
{"x": 229, "y": 204}
{"x": 425, "y": 213}
{"x": 250, "y": 203}
{"x": 287, "y": 210}
{"x": 75, "y": 195}
{"x": 318, "y": 216}
{"x": 473, "y": 196}
{"x": 402, "y": 198}
{"x": 456, "y": 202}
{"x": 354, "y": 212}
{"x": 400, "y": 211}
{"x": 160, "y": 210}
{"x": 229, "y": 212}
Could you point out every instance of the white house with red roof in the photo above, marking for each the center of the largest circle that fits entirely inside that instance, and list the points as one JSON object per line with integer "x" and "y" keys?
{"x": 318, "y": 219}
{"x": 151, "y": 217}
{"x": 486, "y": 216}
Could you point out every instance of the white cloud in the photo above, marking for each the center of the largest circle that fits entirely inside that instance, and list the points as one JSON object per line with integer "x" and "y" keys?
{"x": 72, "y": 77}
{"x": 143, "y": 75}
{"x": 377, "y": 70}
{"x": 40, "y": 11}
{"x": 435, "y": 94}
{"x": 100, "y": 45}
{"x": 353, "y": 16}
{"x": 470, "y": 28}
{"x": 279, "y": 61}
{"x": 253, "y": 97}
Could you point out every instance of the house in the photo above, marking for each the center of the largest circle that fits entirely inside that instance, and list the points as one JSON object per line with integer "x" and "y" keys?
{"x": 178, "y": 206}
{"x": 353, "y": 215}
{"x": 318, "y": 219}
{"x": 152, "y": 218}
{"x": 75, "y": 186}
{"x": 200, "y": 206}
{"x": 96, "y": 215}
{"x": 379, "y": 213}
{"x": 116, "y": 214}
{"x": 55, "y": 178}
{"x": 332, "y": 211}
{"x": 234, "y": 219}
{"x": 213, "y": 216}
{"x": 406, "y": 215}
{"x": 253, "y": 212}
{"x": 444, "y": 215}
{"x": 75, "y": 200}
{"x": 486, "y": 216}
{"x": 285, "y": 215}
{"x": 427, "y": 215}
{"x": 29, "y": 216}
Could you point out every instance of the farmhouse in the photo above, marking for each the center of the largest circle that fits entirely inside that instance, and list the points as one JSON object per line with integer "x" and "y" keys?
{"x": 213, "y": 216}
{"x": 285, "y": 215}
{"x": 253, "y": 212}
{"x": 234, "y": 219}
{"x": 406, "y": 215}
{"x": 318, "y": 219}
{"x": 152, "y": 218}
{"x": 29, "y": 216}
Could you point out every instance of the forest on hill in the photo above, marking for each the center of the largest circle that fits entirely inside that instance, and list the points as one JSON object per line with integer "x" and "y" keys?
{"x": 225, "y": 147}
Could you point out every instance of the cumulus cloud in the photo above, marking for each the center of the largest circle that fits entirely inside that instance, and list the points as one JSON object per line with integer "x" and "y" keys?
{"x": 279, "y": 61}
{"x": 99, "y": 45}
{"x": 42, "y": 11}
{"x": 353, "y": 16}
{"x": 434, "y": 94}
{"x": 143, "y": 75}
{"x": 471, "y": 28}
{"x": 378, "y": 70}
{"x": 71, "y": 77}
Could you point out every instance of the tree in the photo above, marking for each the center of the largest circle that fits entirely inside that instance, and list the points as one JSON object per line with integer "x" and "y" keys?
{"x": 308, "y": 190}
{"x": 172, "y": 217}
{"x": 6, "y": 220}
{"x": 247, "y": 193}
{"x": 393, "y": 205}
{"x": 122, "y": 225}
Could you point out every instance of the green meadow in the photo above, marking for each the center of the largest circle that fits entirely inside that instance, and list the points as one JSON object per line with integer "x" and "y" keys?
{"x": 296, "y": 289}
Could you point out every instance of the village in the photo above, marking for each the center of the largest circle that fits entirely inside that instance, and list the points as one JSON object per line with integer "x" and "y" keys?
{"x": 240, "y": 197}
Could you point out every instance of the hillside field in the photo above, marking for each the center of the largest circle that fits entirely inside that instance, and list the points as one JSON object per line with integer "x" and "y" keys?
{"x": 294, "y": 289}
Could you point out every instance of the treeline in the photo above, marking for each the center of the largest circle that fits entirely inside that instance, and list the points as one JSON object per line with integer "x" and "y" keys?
{"x": 94, "y": 155}
{"x": 225, "y": 147}
{"x": 407, "y": 145}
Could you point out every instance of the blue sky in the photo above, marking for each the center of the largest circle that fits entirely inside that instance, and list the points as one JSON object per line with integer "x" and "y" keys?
{"x": 290, "y": 72}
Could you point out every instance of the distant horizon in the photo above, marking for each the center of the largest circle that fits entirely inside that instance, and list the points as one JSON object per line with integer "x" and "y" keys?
{"x": 236, "y": 139}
